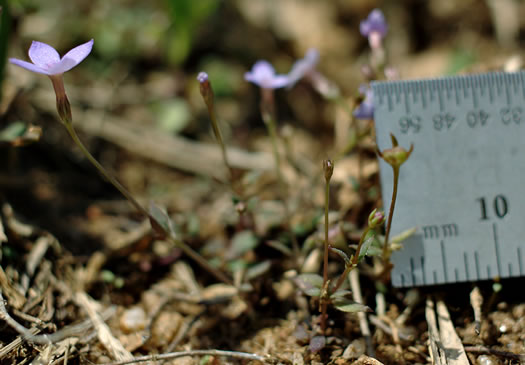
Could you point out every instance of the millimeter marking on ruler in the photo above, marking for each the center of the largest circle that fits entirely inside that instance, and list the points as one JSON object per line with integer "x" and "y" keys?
{"x": 463, "y": 187}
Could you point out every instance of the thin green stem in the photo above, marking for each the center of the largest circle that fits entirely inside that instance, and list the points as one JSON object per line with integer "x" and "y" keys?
{"x": 326, "y": 208}
{"x": 200, "y": 260}
{"x": 325, "y": 257}
{"x": 218, "y": 136}
{"x": 386, "y": 250}
{"x": 269, "y": 122}
{"x": 353, "y": 264}
{"x": 177, "y": 242}
{"x": 102, "y": 170}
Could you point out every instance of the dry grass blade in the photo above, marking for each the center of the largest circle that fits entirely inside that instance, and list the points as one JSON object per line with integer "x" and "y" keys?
{"x": 363, "y": 321}
{"x": 445, "y": 344}
{"x": 437, "y": 353}
{"x": 476, "y": 301}
{"x": 449, "y": 338}
{"x": 104, "y": 334}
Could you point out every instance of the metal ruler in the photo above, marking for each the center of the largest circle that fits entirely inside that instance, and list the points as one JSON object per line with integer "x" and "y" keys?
{"x": 463, "y": 187}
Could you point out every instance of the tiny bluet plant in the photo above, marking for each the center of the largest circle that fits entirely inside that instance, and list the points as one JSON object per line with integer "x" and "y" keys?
{"x": 47, "y": 61}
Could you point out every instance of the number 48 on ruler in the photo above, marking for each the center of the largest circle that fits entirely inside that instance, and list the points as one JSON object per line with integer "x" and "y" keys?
{"x": 463, "y": 187}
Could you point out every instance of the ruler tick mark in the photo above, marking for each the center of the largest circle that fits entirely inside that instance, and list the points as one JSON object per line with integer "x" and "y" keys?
{"x": 465, "y": 259}
{"x": 496, "y": 248}
{"x": 476, "y": 262}
{"x": 520, "y": 266}
{"x": 412, "y": 268}
{"x": 444, "y": 259}
{"x": 423, "y": 270}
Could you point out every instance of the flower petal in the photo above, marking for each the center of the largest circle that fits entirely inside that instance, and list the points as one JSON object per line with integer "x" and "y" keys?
{"x": 277, "y": 82}
{"x": 78, "y": 53}
{"x": 28, "y": 66}
{"x": 64, "y": 65}
{"x": 43, "y": 55}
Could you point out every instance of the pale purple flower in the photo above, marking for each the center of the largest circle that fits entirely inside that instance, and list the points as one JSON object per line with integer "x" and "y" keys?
{"x": 202, "y": 77}
{"x": 304, "y": 66}
{"x": 47, "y": 61}
{"x": 366, "y": 109}
{"x": 374, "y": 23}
{"x": 263, "y": 75}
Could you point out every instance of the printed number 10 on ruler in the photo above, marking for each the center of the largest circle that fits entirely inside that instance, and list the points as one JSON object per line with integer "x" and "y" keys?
{"x": 463, "y": 187}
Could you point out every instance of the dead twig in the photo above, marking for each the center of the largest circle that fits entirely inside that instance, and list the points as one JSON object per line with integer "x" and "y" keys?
{"x": 174, "y": 355}
{"x": 480, "y": 349}
{"x": 173, "y": 151}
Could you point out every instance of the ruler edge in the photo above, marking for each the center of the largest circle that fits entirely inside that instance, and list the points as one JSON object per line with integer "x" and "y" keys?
{"x": 386, "y": 87}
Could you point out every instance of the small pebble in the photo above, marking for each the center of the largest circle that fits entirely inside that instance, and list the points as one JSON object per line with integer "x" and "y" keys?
{"x": 133, "y": 319}
{"x": 485, "y": 360}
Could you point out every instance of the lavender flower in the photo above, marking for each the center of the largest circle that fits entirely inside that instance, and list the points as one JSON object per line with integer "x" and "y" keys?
{"x": 263, "y": 75}
{"x": 374, "y": 27}
{"x": 366, "y": 109}
{"x": 47, "y": 61}
{"x": 304, "y": 66}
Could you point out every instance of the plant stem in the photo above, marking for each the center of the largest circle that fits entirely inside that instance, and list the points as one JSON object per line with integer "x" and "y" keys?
{"x": 268, "y": 112}
{"x": 218, "y": 136}
{"x": 325, "y": 257}
{"x": 182, "y": 245}
{"x": 102, "y": 170}
{"x": 386, "y": 250}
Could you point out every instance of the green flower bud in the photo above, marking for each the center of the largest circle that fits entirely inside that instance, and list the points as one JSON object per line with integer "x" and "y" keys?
{"x": 376, "y": 218}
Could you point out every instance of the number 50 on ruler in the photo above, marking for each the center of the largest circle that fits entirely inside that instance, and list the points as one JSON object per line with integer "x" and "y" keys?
{"x": 463, "y": 187}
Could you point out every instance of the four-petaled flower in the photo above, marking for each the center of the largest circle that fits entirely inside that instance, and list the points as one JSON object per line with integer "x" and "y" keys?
{"x": 366, "y": 109}
{"x": 47, "y": 61}
{"x": 374, "y": 28}
{"x": 304, "y": 66}
{"x": 263, "y": 75}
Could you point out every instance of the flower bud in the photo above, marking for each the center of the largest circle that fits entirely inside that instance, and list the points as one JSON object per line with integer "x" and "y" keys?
{"x": 205, "y": 89}
{"x": 328, "y": 167}
{"x": 376, "y": 218}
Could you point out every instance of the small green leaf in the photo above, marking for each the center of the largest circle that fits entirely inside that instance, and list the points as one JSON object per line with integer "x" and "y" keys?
{"x": 258, "y": 269}
{"x": 341, "y": 293}
{"x": 310, "y": 284}
{"x": 369, "y": 240}
{"x": 19, "y": 134}
{"x": 172, "y": 116}
{"x": 160, "y": 221}
{"x": 341, "y": 254}
{"x": 313, "y": 292}
{"x": 349, "y": 306}
{"x": 242, "y": 242}
{"x": 403, "y": 235}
